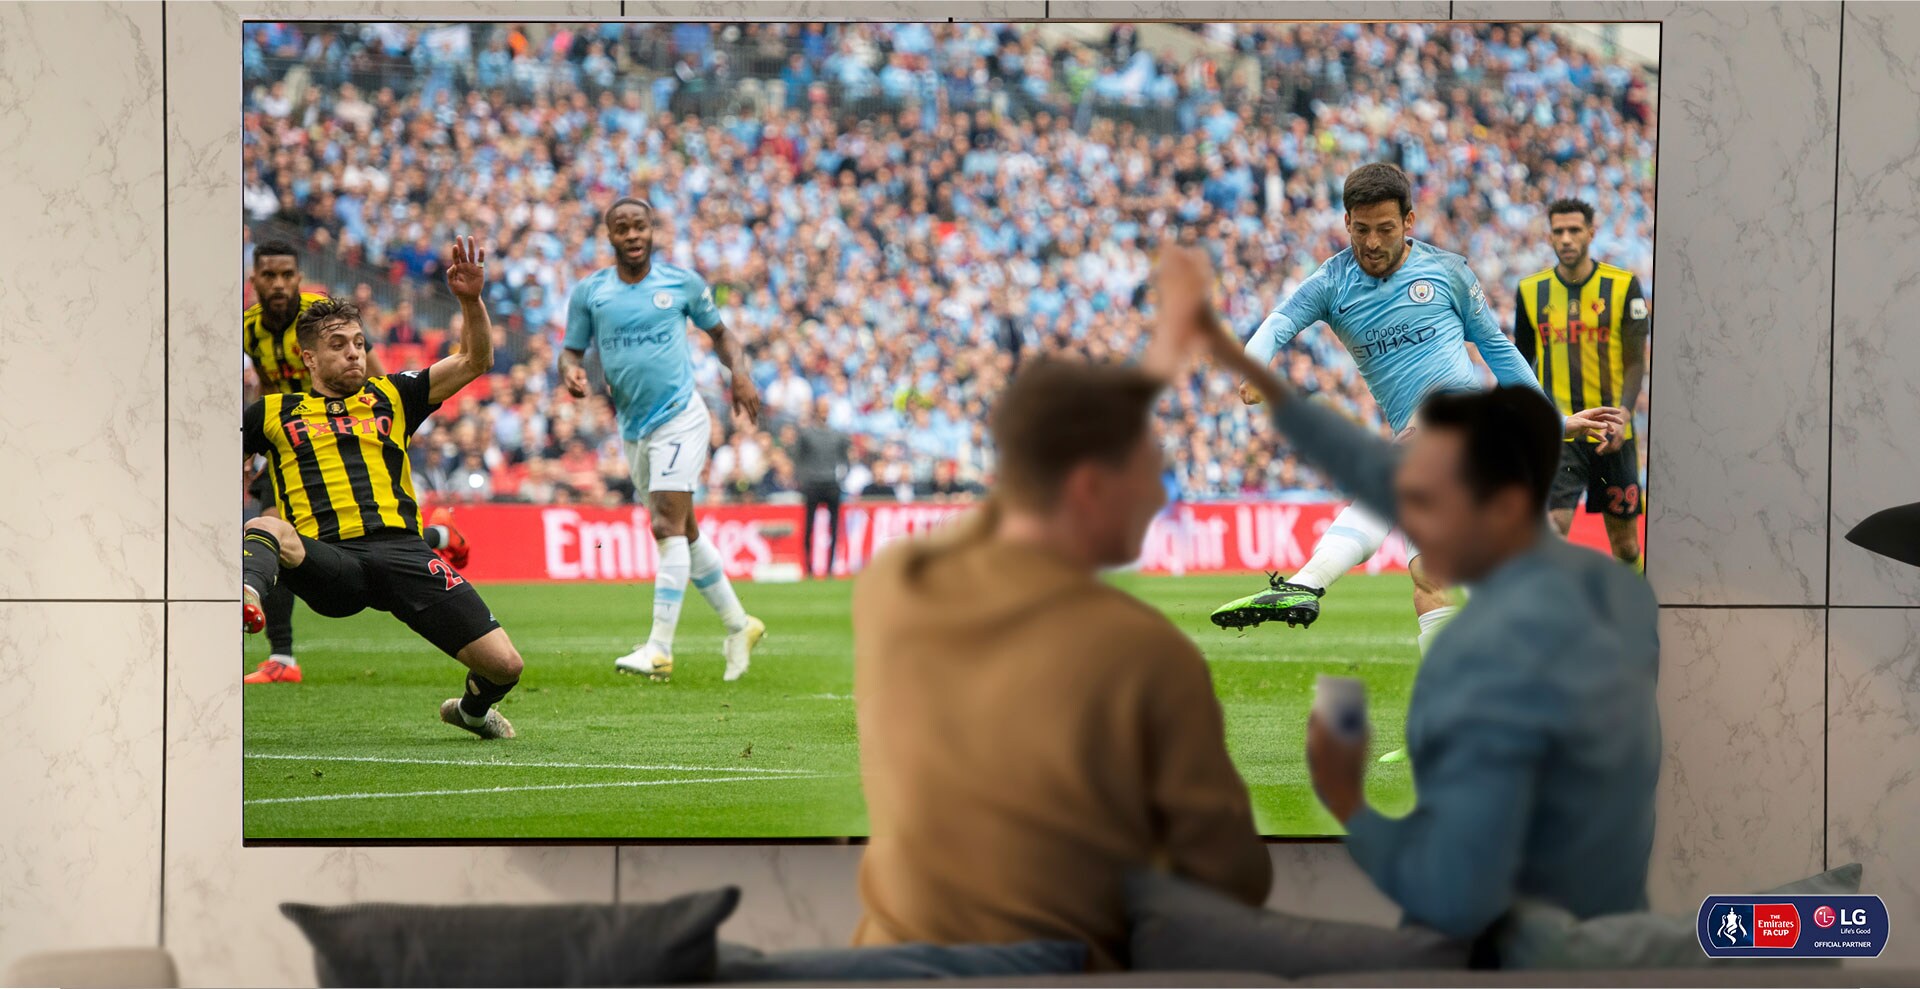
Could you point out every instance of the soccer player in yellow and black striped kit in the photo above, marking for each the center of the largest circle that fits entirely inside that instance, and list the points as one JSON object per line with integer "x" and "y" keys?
{"x": 349, "y": 534}
{"x": 1583, "y": 325}
{"x": 268, "y": 339}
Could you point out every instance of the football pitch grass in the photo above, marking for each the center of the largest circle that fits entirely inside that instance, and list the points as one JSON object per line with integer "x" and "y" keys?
{"x": 357, "y": 751}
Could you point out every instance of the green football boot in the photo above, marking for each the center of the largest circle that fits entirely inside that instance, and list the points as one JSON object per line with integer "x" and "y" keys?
{"x": 1295, "y": 604}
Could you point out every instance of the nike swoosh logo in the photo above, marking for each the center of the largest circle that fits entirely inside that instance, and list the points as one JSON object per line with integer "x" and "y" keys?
{"x": 1342, "y": 311}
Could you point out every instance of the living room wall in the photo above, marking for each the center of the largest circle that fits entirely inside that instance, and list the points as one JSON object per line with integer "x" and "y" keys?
{"x": 1782, "y": 414}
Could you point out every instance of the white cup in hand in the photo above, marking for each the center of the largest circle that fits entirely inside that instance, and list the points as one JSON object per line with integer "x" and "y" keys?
{"x": 1341, "y": 703}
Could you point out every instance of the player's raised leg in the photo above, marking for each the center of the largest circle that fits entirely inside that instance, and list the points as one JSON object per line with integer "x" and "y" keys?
{"x": 1433, "y": 603}
{"x": 1355, "y": 535}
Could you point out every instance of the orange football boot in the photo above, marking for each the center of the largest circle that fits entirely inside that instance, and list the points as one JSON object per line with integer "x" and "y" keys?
{"x": 273, "y": 671}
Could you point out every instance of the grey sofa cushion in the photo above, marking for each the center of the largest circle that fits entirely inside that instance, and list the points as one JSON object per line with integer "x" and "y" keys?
{"x": 739, "y": 963}
{"x": 1535, "y": 935}
{"x": 1178, "y": 925}
{"x": 576, "y": 944}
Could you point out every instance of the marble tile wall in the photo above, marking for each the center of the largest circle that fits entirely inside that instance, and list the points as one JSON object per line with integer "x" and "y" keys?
{"x": 1757, "y": 100}
{"x": 1873, "y": 661}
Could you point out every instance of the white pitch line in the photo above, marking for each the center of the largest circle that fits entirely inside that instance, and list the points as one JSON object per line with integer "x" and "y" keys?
{"x": 519, "y": 789}
{"x": 525, "y": 765}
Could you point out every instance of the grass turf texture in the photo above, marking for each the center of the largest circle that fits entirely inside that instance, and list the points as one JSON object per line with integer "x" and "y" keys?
{"x": 357, "y": 750}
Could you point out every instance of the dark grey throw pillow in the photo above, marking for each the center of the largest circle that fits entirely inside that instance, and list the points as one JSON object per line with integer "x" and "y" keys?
{"x": 1176, "y": 925}
{"x": 739, "y": 963}
{"x": 572, "y": 944}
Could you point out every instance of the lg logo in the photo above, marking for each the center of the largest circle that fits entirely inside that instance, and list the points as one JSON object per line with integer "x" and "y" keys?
{"x": 1827, "y": 917}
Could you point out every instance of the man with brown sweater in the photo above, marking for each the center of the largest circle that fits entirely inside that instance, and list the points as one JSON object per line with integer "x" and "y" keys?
{"x": 1029, "y": 733}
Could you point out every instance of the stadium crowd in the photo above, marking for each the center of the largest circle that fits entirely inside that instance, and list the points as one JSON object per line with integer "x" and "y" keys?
{"x": 894, "y": 215}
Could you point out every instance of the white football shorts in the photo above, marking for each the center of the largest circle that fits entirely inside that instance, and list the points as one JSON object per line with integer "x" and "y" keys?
{"x": 674, "y": 456}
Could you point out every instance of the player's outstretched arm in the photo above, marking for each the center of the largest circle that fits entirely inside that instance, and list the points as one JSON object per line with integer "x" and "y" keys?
{"x": 1309, "y": 304}
{"x": 466, "y": 276}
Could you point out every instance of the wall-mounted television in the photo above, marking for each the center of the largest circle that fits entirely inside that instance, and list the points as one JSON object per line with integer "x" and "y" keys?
{"x": 874, "y": 224}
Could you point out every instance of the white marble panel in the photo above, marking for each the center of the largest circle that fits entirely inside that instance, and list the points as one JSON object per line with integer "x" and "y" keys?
{"x": 1739, "y": 805}
{"x": 1876, "y": 400}
{"x": 222, "y": 921}
{"x": 82, "y": 513}
{"x": 1319, "y": 879}
{"x": 80, "y": 695}
{"x": 792, "y": 896}
{"x": 1743, "y": 262}
{"x": 1873, "y": 760}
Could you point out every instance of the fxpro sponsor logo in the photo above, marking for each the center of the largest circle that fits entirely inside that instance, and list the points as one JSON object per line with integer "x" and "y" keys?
{"x": 1848, "y": 926}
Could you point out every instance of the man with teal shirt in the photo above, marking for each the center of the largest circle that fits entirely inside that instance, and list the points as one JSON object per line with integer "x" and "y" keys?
{"x": 636, "y": 313}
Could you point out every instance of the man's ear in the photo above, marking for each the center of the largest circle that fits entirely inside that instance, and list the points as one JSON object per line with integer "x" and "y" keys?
{"x": 1082, "y": 487}
{"x": 1515, "y": 502}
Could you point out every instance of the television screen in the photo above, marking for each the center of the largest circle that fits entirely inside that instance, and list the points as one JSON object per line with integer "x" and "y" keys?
{"x": 874, "y": 225}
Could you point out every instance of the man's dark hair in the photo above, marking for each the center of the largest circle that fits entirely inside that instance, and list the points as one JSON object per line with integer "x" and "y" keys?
{"x": 1057, "y": 414}
{"x": 1579, "y": 206}
{"x": 625, "y": 201}
{"x": 1377, "y": 183}
{"x": 1512, "y": 436}
{"x": 275, "y": 249}
{"x": 319, "y": 316}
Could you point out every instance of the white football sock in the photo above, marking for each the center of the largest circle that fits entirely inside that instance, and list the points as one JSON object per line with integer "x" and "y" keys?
{"x": 281, "y": 657}
{"x": 1352, "y": 539}
{"x": 710, "y": 576}
{"x": 1432, "y": 622}
{"x": 669, "y": 590}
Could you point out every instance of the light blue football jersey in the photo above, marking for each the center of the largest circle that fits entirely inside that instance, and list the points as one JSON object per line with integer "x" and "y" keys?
{"x": 1407, "y": 332}
{"x": 641, "y": 330}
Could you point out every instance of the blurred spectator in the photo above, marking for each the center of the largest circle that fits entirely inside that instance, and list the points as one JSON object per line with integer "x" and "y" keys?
{"x": 820, "y": 462}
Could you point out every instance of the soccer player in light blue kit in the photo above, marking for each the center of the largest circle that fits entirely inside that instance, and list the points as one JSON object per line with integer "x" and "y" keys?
{"x": 636, "y": 312}
{"x": 1406, "y": 311}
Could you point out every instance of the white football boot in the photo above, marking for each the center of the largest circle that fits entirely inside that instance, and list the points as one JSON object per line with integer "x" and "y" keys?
{"x": 738, "y": 648}
{"x": 647, "y": 660}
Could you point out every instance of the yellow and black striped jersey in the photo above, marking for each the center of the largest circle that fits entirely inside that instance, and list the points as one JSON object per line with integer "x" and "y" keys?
{"x": 339, "y": 466}
{"x": 1581, "y": 339}
{"x": 276, "y": 356}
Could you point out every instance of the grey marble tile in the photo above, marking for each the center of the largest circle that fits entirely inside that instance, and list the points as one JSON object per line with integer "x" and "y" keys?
{"x": 1876, "y": 400}
{"x": 1873, "y": 759}
{"x": 1739, "y": 804}
{"x": 221, "y": 899}
{"x": 85, "y": 425}
{"x": 1741, "y": 296}
{"x": 80, "y": 694}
